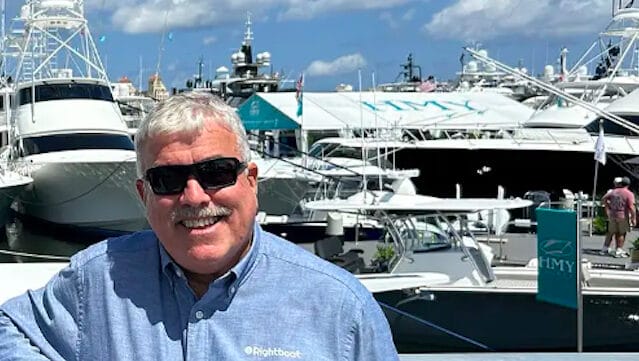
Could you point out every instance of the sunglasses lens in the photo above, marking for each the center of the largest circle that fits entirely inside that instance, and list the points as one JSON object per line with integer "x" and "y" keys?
{"x": 218, "y": 173}
{"x": 212, "y": 174}
{"x": 167, "y": 180}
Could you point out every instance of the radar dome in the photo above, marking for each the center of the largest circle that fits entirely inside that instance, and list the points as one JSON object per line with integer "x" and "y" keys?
{"x": 266, "y": 58}
{"x": 549, "y": 71}
{"x": 472, "y": 66}
{"x": 583, "y": 70}
{"x": 222, "y": 73}
{"x": 490, "y": 68}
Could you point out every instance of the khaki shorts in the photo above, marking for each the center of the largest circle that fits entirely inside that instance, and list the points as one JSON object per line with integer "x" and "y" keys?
{"x": 618, "y": 226}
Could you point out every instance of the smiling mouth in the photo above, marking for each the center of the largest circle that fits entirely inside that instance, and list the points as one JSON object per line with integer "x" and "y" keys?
{"x": 200, "y": 222}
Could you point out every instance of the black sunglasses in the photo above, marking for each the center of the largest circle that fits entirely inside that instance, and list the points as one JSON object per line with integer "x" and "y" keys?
{"x": 211, "y": 174}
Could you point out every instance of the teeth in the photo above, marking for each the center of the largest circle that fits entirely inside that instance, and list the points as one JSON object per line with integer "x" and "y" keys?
{"x": 201, "y": 222}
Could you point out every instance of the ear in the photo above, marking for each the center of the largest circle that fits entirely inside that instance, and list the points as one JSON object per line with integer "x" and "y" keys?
{"x": 252, "y": 176}
{"x": 139, "y": 186}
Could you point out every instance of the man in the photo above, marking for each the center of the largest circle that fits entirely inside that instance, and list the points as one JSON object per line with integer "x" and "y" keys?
{"x": 620, "y": 208}
{"x": 606, "y": 249}
{"x": 206, "y": 282}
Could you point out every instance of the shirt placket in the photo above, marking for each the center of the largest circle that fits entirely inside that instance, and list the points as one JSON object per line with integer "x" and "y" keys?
{"x": 199, "y": 339}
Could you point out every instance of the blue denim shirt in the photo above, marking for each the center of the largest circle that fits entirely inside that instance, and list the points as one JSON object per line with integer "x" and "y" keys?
{"x": 125, "y": 299}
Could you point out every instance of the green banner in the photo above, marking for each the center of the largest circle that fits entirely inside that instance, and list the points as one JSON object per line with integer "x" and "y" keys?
{"x": 557, "y": 256}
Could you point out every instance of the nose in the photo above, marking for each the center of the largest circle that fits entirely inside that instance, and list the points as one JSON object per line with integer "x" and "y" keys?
{"x": 193, "y": 193}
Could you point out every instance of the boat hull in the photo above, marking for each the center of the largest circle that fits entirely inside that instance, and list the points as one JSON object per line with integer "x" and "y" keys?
{"x": 479, "y": 171}
{"x": 91, "y": 194}
{"x": 513, "y": 321}
{"x": 8, "y": 194}
{"x": 281, "y": 196}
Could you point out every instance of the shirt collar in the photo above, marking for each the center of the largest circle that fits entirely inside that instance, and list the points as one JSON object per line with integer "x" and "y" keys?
{"x": 239, "y": 271}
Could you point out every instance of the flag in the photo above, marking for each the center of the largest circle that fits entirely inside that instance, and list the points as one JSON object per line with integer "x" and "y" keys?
{"x": 102, "y": 38}
{"x": 600, "y": 148}
{"x": 299, "y": 90}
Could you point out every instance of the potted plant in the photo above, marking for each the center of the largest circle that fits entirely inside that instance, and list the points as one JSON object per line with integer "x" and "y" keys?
{"x": 383, "y": 255}
{"x": 634, "y": 253}
{"x": 599, "y": 225}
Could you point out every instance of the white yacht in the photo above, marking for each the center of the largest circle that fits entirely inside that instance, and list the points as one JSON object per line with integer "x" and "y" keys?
{"x": 66, "y": 129}
{"x": 553, "y": 149}
{"x": 245, "y": 78}
{"x": 440, "y": 293}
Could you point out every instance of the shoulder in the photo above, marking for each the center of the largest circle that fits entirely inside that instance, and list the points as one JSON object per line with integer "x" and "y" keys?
{"x": 309, "y": 269}
{"x": 134, "y": 245}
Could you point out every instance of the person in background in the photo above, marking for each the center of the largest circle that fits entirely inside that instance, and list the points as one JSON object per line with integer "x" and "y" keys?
{"x": 606, "y": 249}
{"x": 206, "y": 282}
{"x": 620, "y": 206}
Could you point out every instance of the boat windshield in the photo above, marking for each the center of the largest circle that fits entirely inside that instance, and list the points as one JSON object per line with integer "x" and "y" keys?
{"x": 44, "y": 92}
{"x": 422, "y": 233}
{"x": 63, "y": 142}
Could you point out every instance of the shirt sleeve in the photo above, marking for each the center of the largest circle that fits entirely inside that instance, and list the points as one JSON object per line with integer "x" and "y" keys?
{"x": 43, "y": 324}
{"x": 372, "y": 339}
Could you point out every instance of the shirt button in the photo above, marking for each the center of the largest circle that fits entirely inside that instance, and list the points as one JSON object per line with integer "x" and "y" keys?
{"x": 232, "y": 289}
{"x": 199, "y": 315}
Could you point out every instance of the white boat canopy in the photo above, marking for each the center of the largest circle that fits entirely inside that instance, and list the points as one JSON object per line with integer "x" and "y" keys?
{"x": 371, "y": 110}
{"x": 393, "y": 202}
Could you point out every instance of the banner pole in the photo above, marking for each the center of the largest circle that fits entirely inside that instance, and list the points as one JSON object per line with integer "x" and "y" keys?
{"x": 580, "y": 306}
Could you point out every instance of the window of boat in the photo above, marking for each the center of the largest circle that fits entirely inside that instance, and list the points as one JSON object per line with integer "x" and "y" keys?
{"x": 422, "y": 234}
{"x": 62, "y": 142}
{"x": 321, "y": 150}
{"x": 132, "y": 109}
{"x": 611, "y": 128}
{"x": 345, "y": 152}
{"x": 44, "y": 92}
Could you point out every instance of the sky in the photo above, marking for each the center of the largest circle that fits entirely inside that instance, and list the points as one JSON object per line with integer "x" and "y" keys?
{"x": 330, "y": 40}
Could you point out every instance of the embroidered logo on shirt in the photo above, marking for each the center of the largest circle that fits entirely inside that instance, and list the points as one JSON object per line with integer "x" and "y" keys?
{"x": 266, "y": 352}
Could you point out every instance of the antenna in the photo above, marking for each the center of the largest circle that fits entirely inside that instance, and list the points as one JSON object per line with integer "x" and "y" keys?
{"x": 140, "y": 77}
{"x": 379, "y": 164}
{"x": 361, "y": 122}
{"x": 248, "y": 34}
{"x": 161, "y": 50}
{"x": 3, "y": 66}
{"x": 3, "y": 82}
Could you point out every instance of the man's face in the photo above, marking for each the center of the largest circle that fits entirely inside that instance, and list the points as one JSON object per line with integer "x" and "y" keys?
{"x": 197, "y": 241}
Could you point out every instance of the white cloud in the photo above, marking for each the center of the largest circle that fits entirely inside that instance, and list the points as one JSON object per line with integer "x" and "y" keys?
{"x": 392, "y": 22}
{"x": 408, "y": 15}
{"x": 209, "y": 40}
{"x": 342, "y": 65}
{"x": 389, "y": 19}
{"x": 485, "y": 19}
{"x": 140, "y": 16}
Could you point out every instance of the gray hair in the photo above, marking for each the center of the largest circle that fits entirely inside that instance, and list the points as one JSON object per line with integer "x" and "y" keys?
{"x": 188, "y": 113}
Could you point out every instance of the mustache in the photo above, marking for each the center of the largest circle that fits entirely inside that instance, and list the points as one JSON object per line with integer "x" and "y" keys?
{"x": 181, "y": 214}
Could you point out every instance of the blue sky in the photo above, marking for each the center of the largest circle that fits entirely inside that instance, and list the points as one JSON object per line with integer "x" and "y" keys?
{"x": 330, "y": 39}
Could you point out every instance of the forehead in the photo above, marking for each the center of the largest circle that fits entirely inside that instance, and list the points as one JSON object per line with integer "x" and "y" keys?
{"x": 215, "y": 140}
